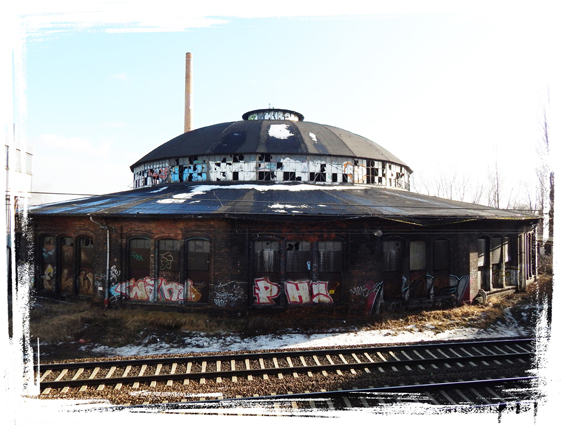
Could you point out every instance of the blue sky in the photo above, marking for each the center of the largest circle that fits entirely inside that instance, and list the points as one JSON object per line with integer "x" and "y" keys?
{"x": 440, "y": 87}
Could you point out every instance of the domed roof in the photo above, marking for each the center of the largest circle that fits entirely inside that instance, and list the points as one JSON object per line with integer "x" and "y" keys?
{"x": 274, "y": 131}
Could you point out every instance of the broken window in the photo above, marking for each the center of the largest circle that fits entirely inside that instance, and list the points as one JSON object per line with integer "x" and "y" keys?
{"x": 392, "y": 251}
{"x": 198, "y": 270}
{"x": 298, "y": 260}
{"x": 392, "y": 255}
{"x": 47, "y": 263}
{"x": 168, "y": 270}
{"x": 139, "y": 259}
{"x": 86, "y": 270}
{"x": 496, "y": 262}
{"x": 289, "y": 176}
{"x": 441, "y": 257}
{"x": 331, "y": 264}
{"x": 266, "y": 272}
{"x": 67, "y": 268}
{"x": 483, "y": 264}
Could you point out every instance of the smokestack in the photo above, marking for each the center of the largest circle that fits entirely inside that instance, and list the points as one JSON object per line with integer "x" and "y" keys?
{"x": 188, "y": 92}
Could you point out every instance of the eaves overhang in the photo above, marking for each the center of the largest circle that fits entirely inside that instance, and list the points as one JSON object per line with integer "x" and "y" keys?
{"x": 187, "y": 200}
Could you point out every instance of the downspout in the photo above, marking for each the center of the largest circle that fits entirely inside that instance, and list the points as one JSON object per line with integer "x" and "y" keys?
{"x": 107, "y": 286}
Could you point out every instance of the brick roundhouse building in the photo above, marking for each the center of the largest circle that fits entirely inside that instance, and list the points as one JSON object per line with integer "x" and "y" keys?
{"x": 274, "y": 213}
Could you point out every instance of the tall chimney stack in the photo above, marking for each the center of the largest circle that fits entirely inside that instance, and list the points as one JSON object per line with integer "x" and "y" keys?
{"x": 188, "y": 92}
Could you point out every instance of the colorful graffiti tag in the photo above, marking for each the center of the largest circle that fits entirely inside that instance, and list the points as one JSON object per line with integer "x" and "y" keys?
{"x": 265, "y": 291}
{"x": 373, "y": 293}
{"x": 144, "y": 289}
{"x": 307, "y": 292}
{"x": 423, "y": 287}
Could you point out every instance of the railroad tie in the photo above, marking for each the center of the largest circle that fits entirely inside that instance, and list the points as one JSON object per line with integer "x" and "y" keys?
{"x": 324, "y": 372}
{"x": 265, "y": 376}
{"x": 233, "y": 367}
{"x": 108, "y": 375}
{"x": 304, "y": 363}
{"x": 280, "y": 375}
{"x": 93, "y": 374}
{"x": 203, "y": 370}
{"x": 219, "y": 368}
{"x": 74, "y": 378}
{"x": 142, "y": 371}
{"x": 45, "y": 374}
{"x": 188, "y": 370}
{"x": 247, "y": 363}
{"x": 172, "y": 372}
{"x": 360, "y": 361}
{"x": 124, "y": 375}
{"x": 290, "y": 363}
{"x": 153, "y": 384}
{"x": 61, "y": 375}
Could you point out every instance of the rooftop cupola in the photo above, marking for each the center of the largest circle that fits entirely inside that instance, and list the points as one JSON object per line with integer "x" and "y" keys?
{"x": 272, "y": 114}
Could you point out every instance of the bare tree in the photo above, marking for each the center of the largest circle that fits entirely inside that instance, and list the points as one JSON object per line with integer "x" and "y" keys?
{"x": 546, "y": 179}
{"x": 495, "y": 184}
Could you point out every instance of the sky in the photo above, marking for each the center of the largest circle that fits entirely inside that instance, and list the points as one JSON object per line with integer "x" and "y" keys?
{"x": 448, "y": 89}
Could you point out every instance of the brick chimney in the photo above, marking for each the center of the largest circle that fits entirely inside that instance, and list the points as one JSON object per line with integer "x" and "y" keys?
{"x": 188, "y": 92}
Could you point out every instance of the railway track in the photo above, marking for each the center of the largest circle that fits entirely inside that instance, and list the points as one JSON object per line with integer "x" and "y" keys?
{"x": 313, "y": 373}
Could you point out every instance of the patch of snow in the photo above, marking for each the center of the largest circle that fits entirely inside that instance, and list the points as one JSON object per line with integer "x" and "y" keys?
{"x": 170, "y": 201}
{"x": 279, "y": 131}
{"x": 202, "y": 343}
{"x": 288, "y": 206}
{"x": 159, "y": 190}
{"x": 313, "y": 137}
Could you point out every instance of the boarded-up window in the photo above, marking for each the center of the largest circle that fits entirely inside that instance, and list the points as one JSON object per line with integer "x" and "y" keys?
{"x": 392, "y": 255}
{"x": 198, "y": 275}
{"x": 495, "y": 250}
{"x": 67, "y": 272}
{"x": 139, "y": 259}
{"x": 86, "y": 270}
{"x": 417, "y": 255}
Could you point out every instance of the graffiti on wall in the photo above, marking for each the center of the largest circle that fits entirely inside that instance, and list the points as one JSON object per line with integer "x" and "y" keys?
{"x": 230, "y": 294}
{"x": 423, "y": 287}
{"x": 420, "y": 286}
{"x": 373, "y": 293}
{"x": 456, "y": 287}
{"x": 307, "y": 292}
{"x": 265, "y": 291}
{"x": 144, "y": 289}
{"x": 272, "y": 168}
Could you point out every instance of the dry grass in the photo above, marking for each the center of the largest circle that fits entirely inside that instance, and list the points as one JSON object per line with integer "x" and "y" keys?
{"x": 61, "y": 322}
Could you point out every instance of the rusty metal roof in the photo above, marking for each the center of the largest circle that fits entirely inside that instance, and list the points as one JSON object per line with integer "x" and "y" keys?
{"x": 252, "y": 137}
{"x": 277, "y": 200}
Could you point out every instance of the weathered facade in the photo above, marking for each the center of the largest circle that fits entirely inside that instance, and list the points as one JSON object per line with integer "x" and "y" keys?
{"x": 273, "y": 213}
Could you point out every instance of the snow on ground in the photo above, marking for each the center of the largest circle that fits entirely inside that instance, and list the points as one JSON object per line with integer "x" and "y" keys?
{"x": 200, "y": 343}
